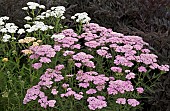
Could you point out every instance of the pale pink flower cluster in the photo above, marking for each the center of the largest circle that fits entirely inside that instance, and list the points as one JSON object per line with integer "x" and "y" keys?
{"x": 54, "y": 92}
{"x": 91, "y": 91}
{"x": 116, "y": 69}
{"x": 132, "y": 102}
{"x": 119, "y": 86}
{"x": 164, "y": 67}
{"x": 131, "y": 45}
{"x": 44, "y": 52}
{"x": 84, "y": 51}
{"x": 69, "y": 33}
{"x": 142, "y": 69}
{"x": 65, "y": 86}
{"x": 46, "y": 81}
{"x": 88, "y": 36}
{"x": 140, "y": 90}
{"x": 147, "y": 58}
{"x": 84, "y": 58}
{"x": 96, "y": 36}
{"x": 121, "y": 60}
{"x": 92, "y": 27}
{"x": 66, "y": 53}
{"x": 78, "y": 65}
{"x": 70, "y": 92}
{"x": 96, "y": 103}
{"x": 57, "y": 48}
{"x": 103, "y": 52}
{"x": 67, "y": 41}
{"x": 81, "y": 56}
{"x": 92, "y": 44}
{"x": 121, "y": 101}
{"x": 48, "y": 76}
{"x": 37, "y": 65}
{"x": 129, "y": 76}
{"x": 91, "y": 77}
{"x": 34, "y": 93}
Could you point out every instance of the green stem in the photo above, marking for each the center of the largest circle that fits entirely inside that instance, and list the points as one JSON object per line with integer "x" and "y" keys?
{"x": 57, "y": 27}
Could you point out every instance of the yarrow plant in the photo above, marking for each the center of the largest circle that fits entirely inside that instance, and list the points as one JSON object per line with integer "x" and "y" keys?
{"x": 90, "y": 68}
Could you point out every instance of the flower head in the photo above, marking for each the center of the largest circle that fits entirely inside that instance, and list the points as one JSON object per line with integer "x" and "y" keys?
{"x": 81, "y": 17}
{"x": 133, "y": 102}
{"x": 51, "y": 103}
{"x": 121, "y": 101}
{"x": 140, "y": 90}
{"x": 5, "y": 60}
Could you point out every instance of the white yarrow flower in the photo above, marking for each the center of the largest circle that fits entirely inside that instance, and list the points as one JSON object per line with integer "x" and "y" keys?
{"x": 50, "y": 27}
{"x": 11, "y": 27}
{"x": 21, "y": 31}
{"x": 32, "y": 5}
{"x": 73, "y": 17}
{"x": 11, "y": 30}
{"x": 6, "y": 38}
{"x": 8, "y": 25}
{"x": 63, "y": 17}
{"x": 25, "y": 8}
{"x": 29, "y": 30}
{"x": 42, "y": 6}
{"x": 2, "y": 23}
{"x": 58, "y": 11}
{"x": 27, "y": 25}
{"x": 47, "y": 15}
{"x": 28, "y": 18}
{"x": 57, "y": 36}
{"x": 81, "y": 17}
{"x": 1, "y": 27}
{"x": 40, "y": 17}
{"x": 5, "y": 18}
{"x": 4, "y": 30}
{"x": 44, "y": 28}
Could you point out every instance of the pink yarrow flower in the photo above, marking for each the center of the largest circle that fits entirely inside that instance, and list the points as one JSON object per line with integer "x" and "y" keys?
{"x": 133, "y": 102}
{"x": 130, "y": 76}
{"x": 140, "y": 90}
{"x": 102, "y": 52}
{"x": 142, "y": 69}
{"x": 116, "y": 69}
{"x": 121, "y": 101}
{"x": 164, "y": 67}
{"x": 91, "y": 91}
{"x": 92, "y": 44}
{"x": 95, "y": 103}
{"x": 78, "y": 96}
{"x": 51, "y": 103}
{"x": 78, "y": 65}
{"x": 45, "y": 60}
{"x": 54, "y": 92}
{"x": 37, "y": 65}
{"x": 65, "y": 86}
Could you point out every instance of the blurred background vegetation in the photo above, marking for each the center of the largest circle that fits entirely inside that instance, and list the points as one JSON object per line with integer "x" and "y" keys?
{"x": 149, "y": 19}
